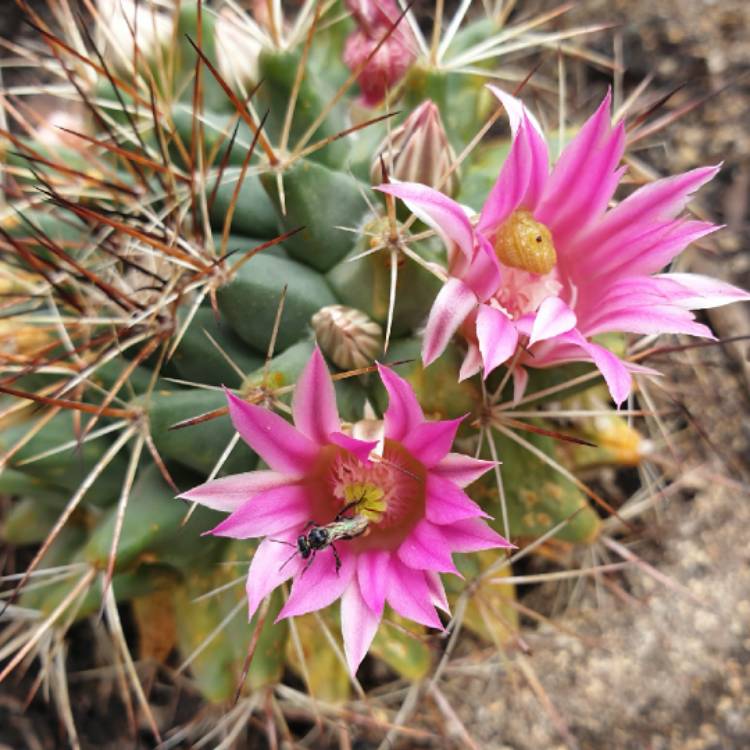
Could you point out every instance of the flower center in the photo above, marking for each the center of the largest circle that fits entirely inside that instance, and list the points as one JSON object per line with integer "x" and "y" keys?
{"x": 388, "y": 491}
{"x": 522, "y": 292}
{"x": 523, "y": 242}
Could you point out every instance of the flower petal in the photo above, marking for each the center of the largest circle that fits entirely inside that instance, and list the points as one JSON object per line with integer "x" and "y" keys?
{"x": 497, "y": 336}
{"x": 652, "y": 250}
{"x": 372, "y": 574}
{"x": 437, "y": 591}
{"x": 272, "y": 564}
{"x": 228, "y": 493}
{"x": 482, "y": 274}
{"x": 539, "y": 173}
{"x": 706, "y": 292}
{"x": 320, "y": 584}
{"x": 429, "y": 442}
{"x": 515, "y": 110}
{"x": 314, "y": 402}
{"x": 461, "y": 470}
{"x": 472, "y": 535}
{"x": 454, "y": 303}
{"x": 571, "y": 173}
{"x": 360, "y": 448}
{"x": 580, "y": 189}
{"x": 552, "y": 318}
{"x": 472, "y": 363}
{"x": 510, "y": 188}
{"x": 524, "y": 175}
{"x": 446, "y": 503}
{"x": 404, "y": 412}
{"x": 654, "y": 318}
{"x": 615, "y": 373}
{"x": 639, "y": 249}
{"x": 651, "y": 204}
{"x": 267, "y": 513}
{"x": 358, "y": 625}
{"x": 280, "y": 445}
{"x": 410, "y": 596}
{"x": 439, "y": 212}
{"x": 520, "y": 382}
{"x": 425, "y": 549}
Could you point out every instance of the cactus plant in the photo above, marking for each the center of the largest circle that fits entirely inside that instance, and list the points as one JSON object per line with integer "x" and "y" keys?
{"x": 208, "y": 218}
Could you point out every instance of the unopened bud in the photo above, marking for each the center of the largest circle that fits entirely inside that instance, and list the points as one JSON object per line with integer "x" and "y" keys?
{"x": 624, "y": 443}
{"x": 237, "y": 50}
{"x": 349, "y": 337}
{"x": 122, "y": 23}
{"x": 394, "y": 57}
{"x": 418, "y": 151}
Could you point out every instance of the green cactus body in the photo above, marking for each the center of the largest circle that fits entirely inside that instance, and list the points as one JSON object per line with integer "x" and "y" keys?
{"x": 538, "y": 497}
{"x": 318, "y": 202}
{"x": 277, "y": 71}
{"x": 154, "y": 526}
{"x": 68, "y": 468}
{"x": 198, "y": 447}
{"x": 217, "y": 669}
{"x": 200, "y": 360}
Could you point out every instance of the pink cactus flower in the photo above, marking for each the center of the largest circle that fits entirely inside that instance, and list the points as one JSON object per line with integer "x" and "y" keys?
{"x": 390, "y": 63}
{"x": 406, "y": 487}
{"x": 547, "y": 266}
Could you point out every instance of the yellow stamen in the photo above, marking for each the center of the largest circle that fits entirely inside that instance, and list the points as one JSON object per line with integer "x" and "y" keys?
{"x": 369, "y": 497}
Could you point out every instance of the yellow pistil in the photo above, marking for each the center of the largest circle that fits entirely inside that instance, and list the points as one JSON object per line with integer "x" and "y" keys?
{"x": 525, "y": 243}
{"x": 369, "y": 497}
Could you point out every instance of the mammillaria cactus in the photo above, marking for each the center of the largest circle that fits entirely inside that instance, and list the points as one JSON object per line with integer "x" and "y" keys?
{"x": 178, "y": 258}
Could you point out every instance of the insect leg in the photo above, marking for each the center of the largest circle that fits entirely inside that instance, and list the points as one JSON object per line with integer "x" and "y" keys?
{"x": 337, "y": 558}
{"x": 346, "y": 508}
{"x": 309, "y": 562}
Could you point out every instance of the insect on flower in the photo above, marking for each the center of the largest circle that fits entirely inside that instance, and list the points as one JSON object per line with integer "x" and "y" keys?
{"x": 320, "y": 537}
{"x": 393, "y": 507}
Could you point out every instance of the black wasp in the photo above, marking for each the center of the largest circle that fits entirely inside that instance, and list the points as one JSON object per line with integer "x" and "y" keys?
{"x": 317, "y": 537}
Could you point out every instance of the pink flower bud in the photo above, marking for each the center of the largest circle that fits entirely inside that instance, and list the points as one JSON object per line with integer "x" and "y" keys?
{"x": 418, "y": 151}
{"x": 394, "y": 57}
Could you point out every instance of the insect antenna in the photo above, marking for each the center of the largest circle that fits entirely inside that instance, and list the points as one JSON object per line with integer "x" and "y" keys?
{"x": 281, "y": 541}
{"x": 288, "y": 560}
{"x": 393, "y": 465}
{"x": 288, "y": 544}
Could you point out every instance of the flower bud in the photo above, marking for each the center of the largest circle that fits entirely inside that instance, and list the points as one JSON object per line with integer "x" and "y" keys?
{"x": 395, "y": 56}
{"x": 418, "y": 151}
{"x": 347, "y": 336}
